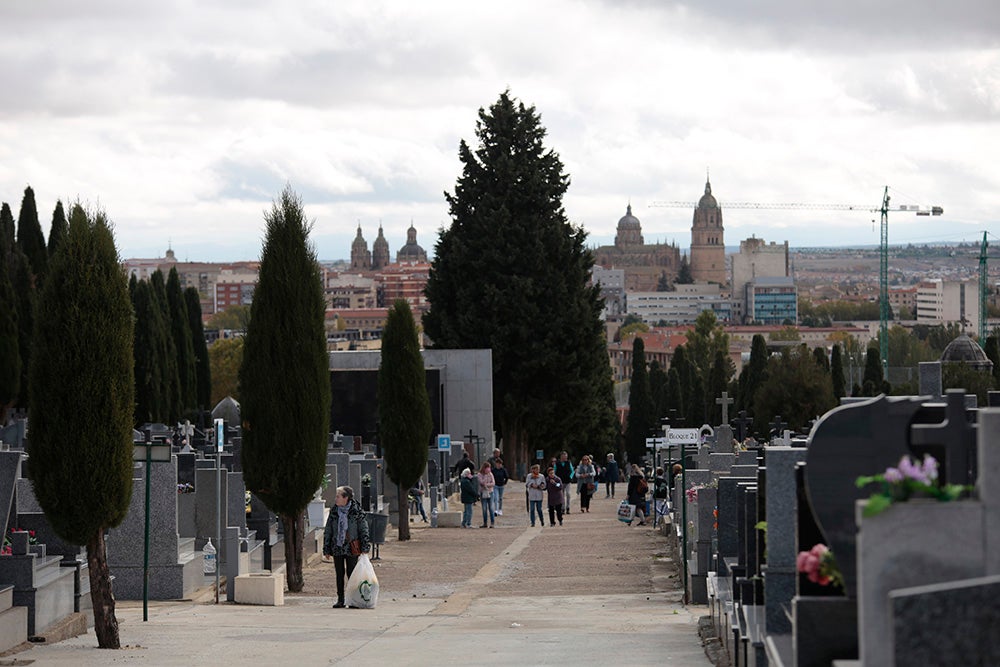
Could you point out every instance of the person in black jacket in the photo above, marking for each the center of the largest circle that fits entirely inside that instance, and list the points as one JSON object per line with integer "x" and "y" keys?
{"x": 345, "y": 524}
{"x": 465, "y": 464}
{"x": 564, "y": 471}
{"x": 500, "y": 477}
{"x": 610, "y": 476}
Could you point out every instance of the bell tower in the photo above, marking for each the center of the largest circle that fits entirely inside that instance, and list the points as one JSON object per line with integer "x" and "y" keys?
{"x": 708, "y": 248}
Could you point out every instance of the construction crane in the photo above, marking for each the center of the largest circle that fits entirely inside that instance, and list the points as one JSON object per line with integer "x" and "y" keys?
{"x": 983, "y": 291}
{"x": 883, "y": 274}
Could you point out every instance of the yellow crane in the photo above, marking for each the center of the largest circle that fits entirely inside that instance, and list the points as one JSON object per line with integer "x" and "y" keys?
{"x": 883, "y": 247}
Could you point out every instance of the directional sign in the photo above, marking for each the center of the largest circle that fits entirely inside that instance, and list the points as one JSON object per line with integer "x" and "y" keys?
{"x": 444, "y": 442}
{"x": 220, "y": 434}
{"x": 688, "y": 436}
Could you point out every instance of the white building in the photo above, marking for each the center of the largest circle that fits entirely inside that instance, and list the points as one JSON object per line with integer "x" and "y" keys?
{"x": 944, "y": 301}
{"x": 756, "y": 259}
{"x": 681, "y": 306}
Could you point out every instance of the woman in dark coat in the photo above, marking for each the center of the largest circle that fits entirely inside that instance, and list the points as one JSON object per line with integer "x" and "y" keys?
{"x": 346, "y": 523}
{"x": 637, "y": 489}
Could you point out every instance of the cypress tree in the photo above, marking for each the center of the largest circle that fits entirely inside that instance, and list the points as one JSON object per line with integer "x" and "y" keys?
{"x": 10, "y": 355}
{"x": 23, "y": 282}
{"x": 404, "y": 410}
{"x": 658, "y": 387}
{"x": 819, "y": 354}
{"x": 285, "y": 377}
{"x": 58, "y": 230}
{"x": 718, "y": 382}
{"x": 181, "y": 330}
{"x": 202, "y": 368}
{"x": 641, "y": 420}
{"x": 510, "y": 249}
{"x": 837, "y": 373}
{"x": 170, "y": 387}
{"x": 150, "y": 340}
{"x": 29, "y": 236}
{"x": 872, "y": 381}
{"x": 82, "y": 384}
{"x": 7, "y": 241}
{"x": 753, "y": 374}
{"x": 674, "y": 397}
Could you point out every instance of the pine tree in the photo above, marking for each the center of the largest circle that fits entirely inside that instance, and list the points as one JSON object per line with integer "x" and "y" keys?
{"x": 510, "y": 250}
{"x": 30, "y": 238}
{"x": 404, "y": 410}
{"x": 285, "y": 377}
{"x": 641, "y": 419}
{"x": 180, "y": 329}
{"x": 202, "y": 367}
{"x": 82, "y": 384}
{"x": 837, "y": 373}
{"x": 58, "y": 230}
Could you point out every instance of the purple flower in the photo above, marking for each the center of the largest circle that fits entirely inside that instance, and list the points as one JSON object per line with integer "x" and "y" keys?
{"x": 914, "y": 471}
{"x": 893, "y": 475}
{"x": 930, "y": 467}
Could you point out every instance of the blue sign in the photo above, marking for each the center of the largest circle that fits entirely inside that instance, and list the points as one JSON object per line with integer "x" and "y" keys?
{"x": 444, "y": 442}
{"x": 220, "y": 435}
{"x": 539, "y": 454}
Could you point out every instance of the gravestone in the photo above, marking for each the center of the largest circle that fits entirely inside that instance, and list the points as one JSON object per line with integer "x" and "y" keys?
{"x": 342, "y": 462}
{"x": 185, "y": 467}
{"x": 782, "y": 549}
{"x": 721, "y": 462}
{"x": 205, "y": 503}
{"x": 727, "y": 531}
{"x": 330, "y": 492}
{"x": 930, "y": 378}
{"x": 723, "y": 439}
{"x": 951, "y": 441}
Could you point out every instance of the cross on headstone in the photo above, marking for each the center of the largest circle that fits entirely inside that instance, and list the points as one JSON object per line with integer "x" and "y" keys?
{"x": 742, "y": 425}
{"x": 725, "y": 402}
{"x": 777, "y": 426}
{"x": 955, "y": 435}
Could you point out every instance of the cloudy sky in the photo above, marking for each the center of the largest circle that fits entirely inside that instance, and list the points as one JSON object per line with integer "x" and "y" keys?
{"x": 183, "y": 119}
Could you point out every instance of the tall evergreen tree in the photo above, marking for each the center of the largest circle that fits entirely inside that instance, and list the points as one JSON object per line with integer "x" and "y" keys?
{"x": 10, "y": 355}
{"x": 30, "y": 238}
{"x": 795, "y": 388}
{"x": 674, "y": 397}
{"x": 58, "y": 229}
{"x": 753, "y": 374}
{"x": 82, "y": 383}
{"x": 641, "y": 419}
{"x": 510, "y": 249}
{"x": 23, "y": 282}
{"x": 180, "y": 327}
{"x": 872, "y": 382}
{"x": 718, "y": 382}
{"x": 285, "y": 377}
{"x": 819, "y": 354}
{"x": 837, "y": 373}
{"x": 658, "y": 387}
{"x": 684, "y": 276}
{"x": 170, "y": 387}
{"x": 202, "y": 367}
{"x": 150, "y": 341}
{"x": 7, "y": 237}
{"x": 404, "y": 410}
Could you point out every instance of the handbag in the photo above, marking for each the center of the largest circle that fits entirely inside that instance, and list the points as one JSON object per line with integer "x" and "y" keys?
{"x": 355, "y": 547}
{"x": 590, "y": 487}
{"x": 626, "y": 512}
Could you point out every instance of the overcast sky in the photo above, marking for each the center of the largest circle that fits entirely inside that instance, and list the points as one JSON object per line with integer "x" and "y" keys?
{"x": 183, "y": 119}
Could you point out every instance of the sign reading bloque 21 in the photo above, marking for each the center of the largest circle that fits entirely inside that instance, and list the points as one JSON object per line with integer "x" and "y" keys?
{"x": 687, "y": 436}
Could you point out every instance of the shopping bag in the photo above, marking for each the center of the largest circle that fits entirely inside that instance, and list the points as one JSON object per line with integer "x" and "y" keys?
{"x": 626, "y": 512}
{"x": 362, "y": 586}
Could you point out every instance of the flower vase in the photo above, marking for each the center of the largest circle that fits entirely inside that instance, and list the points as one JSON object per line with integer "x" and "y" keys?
{"x": 911, "y": 543}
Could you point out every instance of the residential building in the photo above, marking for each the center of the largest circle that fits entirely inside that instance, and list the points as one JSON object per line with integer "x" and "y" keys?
{"x": 771, "y": 300}
{"x": 679, "y": 307}
{"x": 943, "y": 302}
{"x": 756, "y": 259}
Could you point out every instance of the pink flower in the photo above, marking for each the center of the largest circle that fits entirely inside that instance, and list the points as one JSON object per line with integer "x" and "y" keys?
{"x": 893, "y": 475}
{"x": 912, "y": 470}
{"x": 810, "y": 563}
{"x": 930, "y": 467}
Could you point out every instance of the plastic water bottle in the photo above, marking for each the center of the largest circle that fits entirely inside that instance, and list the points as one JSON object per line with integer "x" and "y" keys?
{"x": 209, "y": 552}
{"x": 434, "y": 518}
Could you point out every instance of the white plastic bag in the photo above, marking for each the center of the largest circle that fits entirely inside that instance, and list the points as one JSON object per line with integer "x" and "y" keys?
{"x": 362, "y": 586}
{"x": 626, "y": 512}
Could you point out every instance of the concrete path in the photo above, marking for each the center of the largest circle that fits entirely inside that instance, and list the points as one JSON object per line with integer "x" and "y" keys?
{"x": 590, "y": 592}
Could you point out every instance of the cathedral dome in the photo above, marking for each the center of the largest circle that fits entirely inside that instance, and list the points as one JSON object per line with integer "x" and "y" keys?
{"x": 965, "y": 350}
{"x": 411, "y": 252}
{"x": 629, "y": 221}
{"x": 707, "y": 200}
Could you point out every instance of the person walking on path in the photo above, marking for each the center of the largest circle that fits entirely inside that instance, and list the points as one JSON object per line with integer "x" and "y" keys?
{"x": 500, "y": 479}
{"x": 564, "y": 471}
{"x": 464, "y": 464}
{"x": 554, "y": 489}
{"x": 610, "y": 476}
{"x": 470, "y": 496}
{"x": 637, "y": 489}
{"x": 486, "y": 484}
{"x": 417, "y": 493}
{"x": 535, "y": 487}
{"x": 346, "y": 526}
{"x": 585, "y": 477}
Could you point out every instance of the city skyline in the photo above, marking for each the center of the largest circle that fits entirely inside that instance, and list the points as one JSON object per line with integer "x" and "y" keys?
{"x": 183, "y": 122}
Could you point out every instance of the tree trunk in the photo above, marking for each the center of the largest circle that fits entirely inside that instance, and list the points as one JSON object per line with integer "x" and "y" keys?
{"x": 101, "y": 595}
{"x": 294, "y": 528}
{"x": 404, "y": 513}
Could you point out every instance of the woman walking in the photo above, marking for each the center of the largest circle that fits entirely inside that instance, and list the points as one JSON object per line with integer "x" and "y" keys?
{"x": 486, "y": 484}
{"x": 535, "y": 486}
{"x": 470, "y": 496}
{"x": 346, "y": 532}
{"x": 500, "y": 478}
{"x": 554, "y": 488}
{"x": 585, "y": 478}
{"x": 637, "y": 489}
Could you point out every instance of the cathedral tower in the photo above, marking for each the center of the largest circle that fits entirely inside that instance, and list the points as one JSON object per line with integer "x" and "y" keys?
{"x": 380, "y": 251}
{"x": 361, "y": 257}
{"x": 708, "y": 250}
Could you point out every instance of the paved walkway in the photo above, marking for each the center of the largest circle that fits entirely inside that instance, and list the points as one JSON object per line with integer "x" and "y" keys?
{"x": 593, "y": 591}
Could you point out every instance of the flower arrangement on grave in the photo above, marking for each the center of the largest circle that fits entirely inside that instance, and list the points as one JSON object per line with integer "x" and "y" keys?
{"x": 185, "y": 488}
{"x": 366, "y": 479}
{"x": 5, "y": 550}
{"x": 692, "y": 493}
{"x": 820, "y": 566}
{"x": 246, "y": 501}
{"x": 908, "y": 479}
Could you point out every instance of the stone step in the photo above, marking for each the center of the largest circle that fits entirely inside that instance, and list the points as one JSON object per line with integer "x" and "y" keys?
{"x": 13, "y": 627}
{"x": 6, "y": 597}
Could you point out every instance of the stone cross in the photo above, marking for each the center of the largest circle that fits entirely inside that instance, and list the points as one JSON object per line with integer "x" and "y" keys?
{"x": 742, "y": 425}
{"x": 778, "y": 426}
{"x": 725, "y": 402}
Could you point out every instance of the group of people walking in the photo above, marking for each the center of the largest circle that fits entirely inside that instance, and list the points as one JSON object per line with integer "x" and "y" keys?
{"x": 485, "y": 487}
